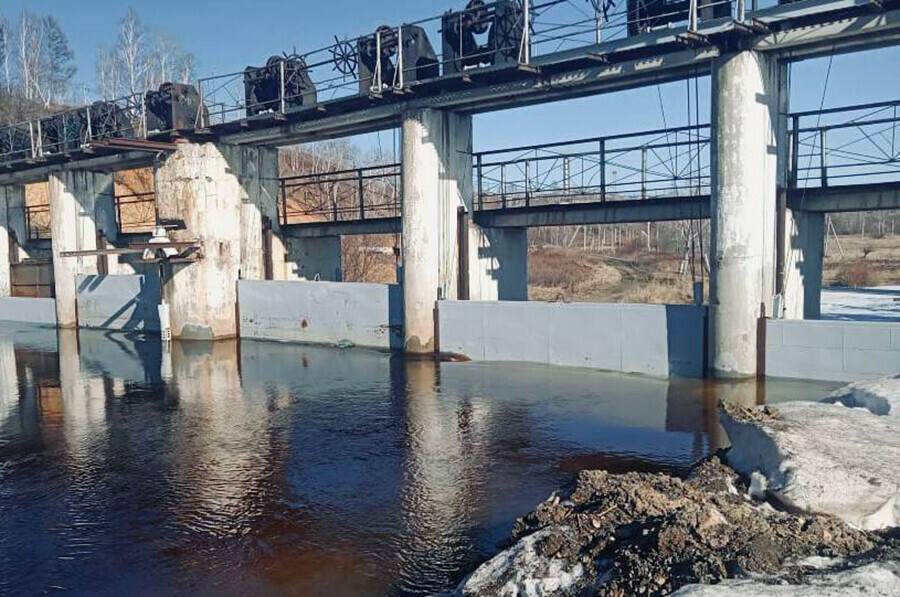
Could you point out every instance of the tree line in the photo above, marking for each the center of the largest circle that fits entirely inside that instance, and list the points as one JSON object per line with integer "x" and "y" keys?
{"x": 37, "y": 65}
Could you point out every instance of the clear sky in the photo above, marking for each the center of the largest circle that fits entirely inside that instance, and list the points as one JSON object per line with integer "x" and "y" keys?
{"x": 227, "y": 35}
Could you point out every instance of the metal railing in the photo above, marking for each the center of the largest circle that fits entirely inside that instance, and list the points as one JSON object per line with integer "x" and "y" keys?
{"x": 37, "y": 221}
{"x": 71, "y": 130}
{"x": 136, "y": 212}
{"x": 856, "y": 144}
{"x": 344, "y": 195}
{"x": 658, "y": 163}
{"x": 532, "y": 28}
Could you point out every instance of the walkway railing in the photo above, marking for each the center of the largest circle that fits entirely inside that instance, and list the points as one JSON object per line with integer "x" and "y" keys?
{"x": 345, "y": 195}
{"x": 136, "y": 212}
{"x": 465, "y": 40}
{"x": 37, "y": 221}
{"x": 659, "y": 163}
{"x": 851, "y": 145}
{"x": 71, "y": 130}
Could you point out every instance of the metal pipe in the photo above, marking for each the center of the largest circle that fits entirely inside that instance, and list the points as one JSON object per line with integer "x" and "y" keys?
{"x": 31, "y": 138}
{"x": 643, "y": 173}
{"x": 526, "y": 33}
{"x": 360, "y": 195}
{"x": 90, "y": 133}
{"x": 144, "y": 115}
{"x": 283, "y": 107}
{"x": 795, "y": 152}
{"x": 284, "y": 213}
{"x": 823, "y": 157}
{"x": 480, "y": 183}
{"x": 602, "y": 169}
{"x": 376, "y": 79}
{"x": 503, "y": 186}
{"x": 399, "y": 71}
{"x": 527, "y": 185}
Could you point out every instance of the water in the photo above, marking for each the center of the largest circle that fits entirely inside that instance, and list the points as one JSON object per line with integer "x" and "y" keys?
{"x": 260, "y": 468}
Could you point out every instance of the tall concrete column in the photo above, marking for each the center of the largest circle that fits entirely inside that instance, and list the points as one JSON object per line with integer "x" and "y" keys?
{"x": 257, "y": 169}
{"x": 805, "y": 252}
{"x": 16, "y": 224}
{"x": 748, "y": 104}
{"x": 437, "y": 180}
{"x": 221, "y": 193}
{"x": 5, "y": 227}
{"x": 73, "y": 200}
{"x": 106, "y": 222}
{"x": 498, "y": 264}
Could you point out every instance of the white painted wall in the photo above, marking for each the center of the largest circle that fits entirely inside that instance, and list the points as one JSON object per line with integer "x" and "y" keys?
{"x": 659, "y": 340}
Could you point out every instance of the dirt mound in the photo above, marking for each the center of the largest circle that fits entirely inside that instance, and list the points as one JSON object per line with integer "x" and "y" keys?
{"x": 649, "y": 534}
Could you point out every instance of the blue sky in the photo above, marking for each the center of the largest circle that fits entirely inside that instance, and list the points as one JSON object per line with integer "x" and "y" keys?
{"x": 225, "y": 36}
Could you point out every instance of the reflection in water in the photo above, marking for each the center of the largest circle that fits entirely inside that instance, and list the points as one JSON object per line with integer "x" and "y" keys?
{"x": 280, "y": 469}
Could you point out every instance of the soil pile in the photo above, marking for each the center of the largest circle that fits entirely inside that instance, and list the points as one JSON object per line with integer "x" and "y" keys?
{"x": 650, "y": 534}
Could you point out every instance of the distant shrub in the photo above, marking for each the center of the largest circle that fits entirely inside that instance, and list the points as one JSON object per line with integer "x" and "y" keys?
{"x": 858, "y": 273}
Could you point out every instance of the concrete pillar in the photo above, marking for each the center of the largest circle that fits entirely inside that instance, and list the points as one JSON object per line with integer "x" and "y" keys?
{"x": 12, "y": 226}
{"x": 73, "y": 200}
{"x": 221, "y": 193}
{"x": 498, "y": 264}
{"x": 437, "y": 180}
{"x": 311, "y": 257}
{"x": 257, "y": 172}
{"x": 805, "y": 252}
{"x": 15, "y": 218}
{"x": 749, "y": 96}
{"x": 106, "y": 222}
{"x": 5, "y": 283}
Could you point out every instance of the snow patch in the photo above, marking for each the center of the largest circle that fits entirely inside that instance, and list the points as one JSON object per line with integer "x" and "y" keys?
{"x": 521, "y": 571}
{"x": 880, "y": 397}
{"x": 828, "y": 457}
{"x": 818, "y": 562}
{"x": 881, "y": 579}
{"x": 878, "y": 303}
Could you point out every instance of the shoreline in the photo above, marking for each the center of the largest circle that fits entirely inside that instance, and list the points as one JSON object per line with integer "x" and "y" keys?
{"x": 781, "y": 507}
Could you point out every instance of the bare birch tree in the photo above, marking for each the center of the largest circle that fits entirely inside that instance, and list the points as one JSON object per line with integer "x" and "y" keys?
{"x": 131, "y": 52}
{"x": 30, "y": 47}
{"x": 141, "y": 60}
{"x": 4, "y": 54}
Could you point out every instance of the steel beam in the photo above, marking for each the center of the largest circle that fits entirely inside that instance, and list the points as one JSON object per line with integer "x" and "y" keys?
{"x": 858, "y": 197}
{"x": 609, "y": 212}
{"x": 41, "y": 170}
{"x": 348, "y": 228}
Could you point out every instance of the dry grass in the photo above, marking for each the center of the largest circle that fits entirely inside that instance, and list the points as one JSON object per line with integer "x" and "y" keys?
{"x": 862, "y": 261}
{"x": 632, "y": 276}
{"x": 856, "y": 274}
{"x": 369, "y": 258}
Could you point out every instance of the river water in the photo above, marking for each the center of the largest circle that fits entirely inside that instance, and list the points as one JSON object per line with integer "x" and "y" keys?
{"x": 261, "y": 468}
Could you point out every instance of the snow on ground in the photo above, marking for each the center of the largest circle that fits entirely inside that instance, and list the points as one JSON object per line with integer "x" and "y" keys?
{"x": 872, "y": 580}
{"x": 520, "y": 570}
{"x": 879, "y": 303}
{"x": 839, "y": 457}
{"x": 881, "y": 398}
